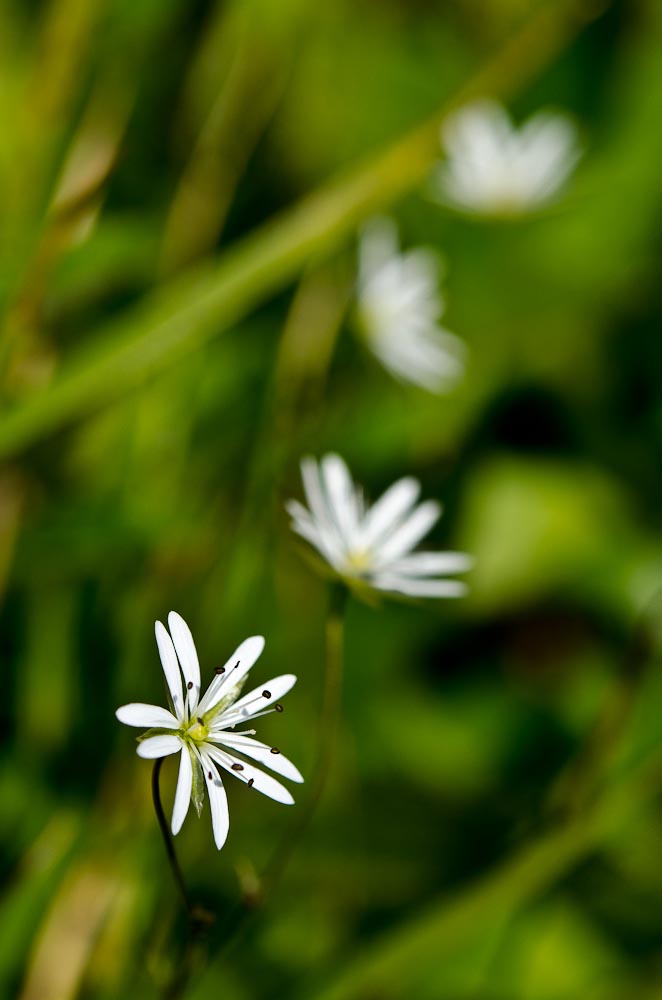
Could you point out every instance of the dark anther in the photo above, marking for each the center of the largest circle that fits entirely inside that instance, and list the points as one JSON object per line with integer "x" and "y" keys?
{"x": 251, "y": 782}
{"x": 275, "y": 750}
{"x": 236, "y": 664}
{"x": 219, "y": 670}
{"x": 201, "y": 721}
{"x": 209, "y": 775}
{"x": 189, "y": 685}
{"x": 278, "y": 707}
{"x": 237, "y": 767}
{"x": 266, "y": 694}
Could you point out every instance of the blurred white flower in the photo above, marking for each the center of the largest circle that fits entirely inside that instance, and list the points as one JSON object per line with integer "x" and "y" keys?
{"x": 399, "y": 305}
{"x": 494, "y": 168}
{"x": 198, "y": 729}
{"x": 370, "y": 547}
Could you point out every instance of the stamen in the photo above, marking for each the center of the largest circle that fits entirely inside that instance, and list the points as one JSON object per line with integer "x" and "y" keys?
{"x": 237, "y": 767}
{"x": 209, "y": 775}
{"x": 189, "y": 685}
{"x": 278, "y": 707}
{"x": 201, "y": 721}
{"x": 275, "y": 750}
{"x": 251, "y": 782}
{"x": 266, "y": 694}
{"x": 219, "y": 670}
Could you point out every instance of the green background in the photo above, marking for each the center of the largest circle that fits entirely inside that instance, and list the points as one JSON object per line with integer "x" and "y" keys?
{"x": 492, "y": 826}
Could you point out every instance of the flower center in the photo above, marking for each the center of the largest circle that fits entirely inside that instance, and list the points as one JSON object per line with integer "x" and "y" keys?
{"x": 198, "y": 731}
{"x": 359, "y": 561}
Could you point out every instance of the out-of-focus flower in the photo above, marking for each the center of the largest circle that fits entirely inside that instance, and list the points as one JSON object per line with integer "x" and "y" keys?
{"x": 370, "y": 547}
{"x": 201, "y": 730}
{"x": 399, "y": 305}
{"x": 494, "y": 168}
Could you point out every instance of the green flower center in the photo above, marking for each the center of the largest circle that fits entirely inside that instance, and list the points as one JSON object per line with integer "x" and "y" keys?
{"x": 197, "y": 731}
{"x": 359, "y": 561}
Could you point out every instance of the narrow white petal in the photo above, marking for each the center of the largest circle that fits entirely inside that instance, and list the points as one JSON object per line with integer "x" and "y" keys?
{"x": 256, "y": 699}
{"x": 218, "y": 800}
{"x": 260, "y": 752}
{"x": 409, "y": 533}
{"x": 187, "y": 655}
{"x": 183, "y": 793}
{"x": 233, "y": 672}
{"x": 391, "y": 507}
{"x": 320, "y": 541}
{"x": 146, "y": 716}
{"x": 159, "y": 746}
{"x": 341, "y": 494}
{"x": 312, "y": 486}
{"x": 171, "y": 669}
{"x": 431, "y": 564}
{"x": 259, "y": 780}
{"x": 419, "y": 587}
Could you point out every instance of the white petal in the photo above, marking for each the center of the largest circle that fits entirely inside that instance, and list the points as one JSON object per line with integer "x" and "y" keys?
{"x": 419, "y": 588}
{"x": 341, "y": 495}
{"x": 409, "y": 533}
{"x": 277, "y": 687}
{"x": 324, "y": 542}
{"x": 183, "y": 793}
{"x": 218, "y": 800}
{"x": 171, "y": 669}
{"x": 159, "y": 746}
{"x": 233, "y": 672}
{"x": 262, "y": 782}
{"x": 431, "y": 564}
{"x": 314, "y": 494}
{"x": 187, "y": 655}
{"x": 146, "y": 716}
{"x": 260, "y": 752}
{"x": 390, "y": 509}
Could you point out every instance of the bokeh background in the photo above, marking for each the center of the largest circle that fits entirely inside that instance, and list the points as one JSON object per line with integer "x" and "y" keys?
{"x": 492, "y": 827}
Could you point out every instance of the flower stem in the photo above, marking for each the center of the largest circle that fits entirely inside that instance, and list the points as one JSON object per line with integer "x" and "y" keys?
{"x": 168, "y": 841}
{"x": 329, "y": 724}
{"x": 199, "y": 919}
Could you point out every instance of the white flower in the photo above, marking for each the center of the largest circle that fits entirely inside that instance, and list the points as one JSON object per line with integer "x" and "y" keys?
{"x": 399, "y": 305}
{"x": 201, "y": 729}
{"x": 494, "y": 168}
{"x": 371, "y": 547}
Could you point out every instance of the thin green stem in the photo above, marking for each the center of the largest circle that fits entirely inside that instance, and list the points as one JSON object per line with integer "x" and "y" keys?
{"x": 329, "y": 725}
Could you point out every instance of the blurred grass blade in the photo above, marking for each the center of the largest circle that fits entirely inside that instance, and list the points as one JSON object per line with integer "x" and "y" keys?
{"x": 69, "y": 933}
{"x": 200, "y": 305}
{"x": 452, "y": 923}
{"x": 240, "y": 92}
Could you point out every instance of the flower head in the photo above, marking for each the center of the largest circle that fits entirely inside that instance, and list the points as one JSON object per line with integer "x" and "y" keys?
{"x": 494, "y": 168}
{"x": 370, "y": 547}
{"x": 201, "y": 730}
{"x": 399, "y": 306}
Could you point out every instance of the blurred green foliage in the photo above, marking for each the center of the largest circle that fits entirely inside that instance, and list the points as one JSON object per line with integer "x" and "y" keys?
{"x": 492, "y": 827}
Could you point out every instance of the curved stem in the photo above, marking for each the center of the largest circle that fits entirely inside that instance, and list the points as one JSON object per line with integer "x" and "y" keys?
{"x": 168, "y": 841}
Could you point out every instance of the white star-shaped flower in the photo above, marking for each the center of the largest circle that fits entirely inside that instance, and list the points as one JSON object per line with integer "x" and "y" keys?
{"x": 370, "y": 547}
{"x": 399, "y": 305}
{"x": 494, "y": 168}
{"x": 201, "y": 730}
